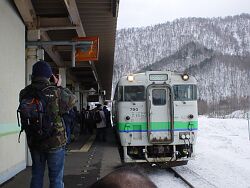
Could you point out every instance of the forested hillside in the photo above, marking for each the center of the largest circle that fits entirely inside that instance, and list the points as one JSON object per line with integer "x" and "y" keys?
{"x": 216, "y": 51}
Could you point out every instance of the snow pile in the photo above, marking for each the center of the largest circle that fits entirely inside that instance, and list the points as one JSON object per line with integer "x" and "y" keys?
{"x": 238, "y": 114}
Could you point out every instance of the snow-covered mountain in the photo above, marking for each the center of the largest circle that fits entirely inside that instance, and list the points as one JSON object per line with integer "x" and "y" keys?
{"x": 187, "y": 56}
{"x": 215, "y": 50}
{"x": 223, "y": 79}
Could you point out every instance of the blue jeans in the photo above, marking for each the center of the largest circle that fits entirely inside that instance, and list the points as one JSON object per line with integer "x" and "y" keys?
{"x": 55, "y": 162}
{"x": 67, "y": 124}
{"x": 68, "y": 133}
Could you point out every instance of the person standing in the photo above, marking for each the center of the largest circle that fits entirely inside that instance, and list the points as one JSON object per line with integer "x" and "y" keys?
{"x": 89, "y": 120}
{"x": 100, "y": 123}
{"x": 46, "y": 136}
{"x": 68, "y": 122}
{"x": 83, "y": 126}
{"x": 107, "y": 116}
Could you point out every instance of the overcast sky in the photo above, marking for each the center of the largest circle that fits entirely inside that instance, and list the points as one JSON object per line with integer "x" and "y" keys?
{"x": 137, "y": 13}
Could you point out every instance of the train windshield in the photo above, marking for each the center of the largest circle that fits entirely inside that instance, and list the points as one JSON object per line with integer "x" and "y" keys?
{"x": 159, "y": 97}
{"x": 185, "y": 92}
{"x": 134, "y": 93}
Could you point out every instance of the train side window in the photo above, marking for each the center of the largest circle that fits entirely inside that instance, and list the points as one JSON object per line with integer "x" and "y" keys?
{"x": 159, "y": 97}
{"x": 120, "y": 93}
{"x": 134, "y": 93}
{"x": 185, "y": 92}
{"x": 116, "y": 93}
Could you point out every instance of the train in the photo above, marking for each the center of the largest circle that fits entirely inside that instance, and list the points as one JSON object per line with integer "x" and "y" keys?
{"x": 155, "y": 116}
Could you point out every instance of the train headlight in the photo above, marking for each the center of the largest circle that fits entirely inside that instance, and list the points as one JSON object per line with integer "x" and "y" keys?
{"x": 185, "y": 77}
{"x": 184, "y": 135}
{"x": 130, "y": 78}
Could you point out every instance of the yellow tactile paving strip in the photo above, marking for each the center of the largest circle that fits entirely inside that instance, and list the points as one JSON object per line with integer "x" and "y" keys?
{"x": 86, "y": 146}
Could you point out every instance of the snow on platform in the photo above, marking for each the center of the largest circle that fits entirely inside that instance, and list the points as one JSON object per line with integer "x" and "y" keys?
{"x": 222, "y": 154}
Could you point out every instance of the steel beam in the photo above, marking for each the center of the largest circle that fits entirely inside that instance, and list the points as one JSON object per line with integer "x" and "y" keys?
{"x": 53, "y": 22}
{"x": 75, "y": 17}
{"x": 73, "y": 56}
{"x": 55, "y": 56}
{"x": 62, "y": 23}
{"x": 95, "y": 74}
{"x": 27, "y": 13}
{"x": 57, "y": 43}
{"x": 29, "y": 17}
{"x": 58, "y": 28}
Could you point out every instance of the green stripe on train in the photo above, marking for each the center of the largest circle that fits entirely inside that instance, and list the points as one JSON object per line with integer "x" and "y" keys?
{"x": 156, "y": 125}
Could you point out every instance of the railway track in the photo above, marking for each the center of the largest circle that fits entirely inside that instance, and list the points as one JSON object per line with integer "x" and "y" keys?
{"x": 178, "y": 175}
{"x": 190, "y": 178}
{"x": 163, "y": 176}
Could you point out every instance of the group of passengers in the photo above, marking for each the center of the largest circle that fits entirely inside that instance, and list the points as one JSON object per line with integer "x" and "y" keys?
{"x": 87, "y": 121}
{"x": 97, "y": 118}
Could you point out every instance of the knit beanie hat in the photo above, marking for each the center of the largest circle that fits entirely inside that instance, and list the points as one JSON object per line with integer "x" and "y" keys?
{"x": 41, "y": 69}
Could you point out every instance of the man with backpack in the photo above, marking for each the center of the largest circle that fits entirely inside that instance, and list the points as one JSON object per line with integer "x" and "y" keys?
{"x": 42, "y": 104}
{"x": 100, "y": 123}
{"x": 107, "y": 116}
{"x": 89, "y": 120}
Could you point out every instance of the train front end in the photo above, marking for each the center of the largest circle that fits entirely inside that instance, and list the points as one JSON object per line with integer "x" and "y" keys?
{"x": 156, "y": 117}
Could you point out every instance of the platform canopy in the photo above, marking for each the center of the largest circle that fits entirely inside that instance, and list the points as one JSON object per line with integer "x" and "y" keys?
{"x": 64, "y": 20}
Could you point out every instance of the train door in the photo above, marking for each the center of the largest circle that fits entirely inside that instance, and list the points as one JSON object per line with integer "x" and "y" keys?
{"x": 159, "y": 114}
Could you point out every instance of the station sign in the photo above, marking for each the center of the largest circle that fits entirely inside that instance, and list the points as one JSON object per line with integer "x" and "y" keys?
{"x": 87, "y": 52}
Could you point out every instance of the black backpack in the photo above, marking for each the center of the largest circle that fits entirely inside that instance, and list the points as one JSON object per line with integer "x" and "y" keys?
{"x": 32, "y": 114}
{"x": 97, "y": 117}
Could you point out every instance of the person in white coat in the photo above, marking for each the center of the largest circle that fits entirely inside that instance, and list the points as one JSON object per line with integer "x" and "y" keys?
{"x": 100, "y": 124}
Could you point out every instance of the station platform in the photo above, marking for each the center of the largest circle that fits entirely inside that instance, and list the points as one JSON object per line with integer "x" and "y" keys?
{"x": 86, "y": 161}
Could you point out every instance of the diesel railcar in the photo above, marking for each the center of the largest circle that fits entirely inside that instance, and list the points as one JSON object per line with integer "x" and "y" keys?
{"x": 156, "y": 117}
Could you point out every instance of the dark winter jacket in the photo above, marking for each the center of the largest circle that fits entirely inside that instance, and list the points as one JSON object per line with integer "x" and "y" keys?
{"x": 61, "y": 100}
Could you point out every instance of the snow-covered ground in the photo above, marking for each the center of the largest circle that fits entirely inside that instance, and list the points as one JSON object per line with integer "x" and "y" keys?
{"x": 222, "y": 154}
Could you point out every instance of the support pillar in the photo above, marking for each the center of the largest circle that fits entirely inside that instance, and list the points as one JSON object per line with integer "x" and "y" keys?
{"x": 84, "y": 99}
{"x": 100, "y": 99}
{"x": 33, "y": 54}
{"x": 77, "y": 93}
{"x": 100, "y": 96}
{"x": 31, "y": 59}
